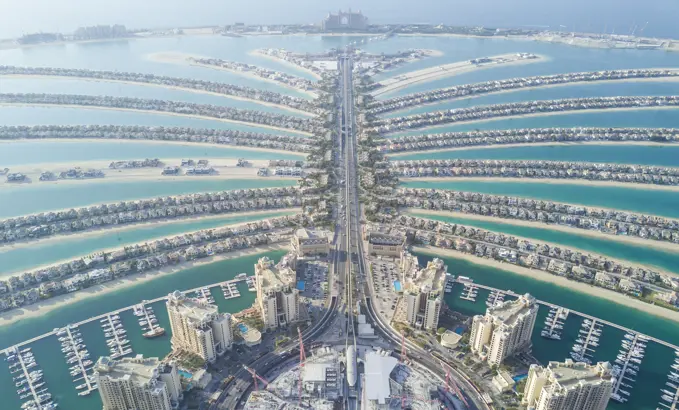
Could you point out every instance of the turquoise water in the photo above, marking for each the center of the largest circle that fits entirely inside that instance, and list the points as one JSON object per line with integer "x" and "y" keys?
{"x": 603, "y": 89}
{"x": 647, "y": 118}
{"x": 624, "y": 154}
{"x": 26, "y": 115}
{"x": 644, "y": 255}
{"x": 27, "y": 199}
{"x": 662, "y": 203}
{"x": 51, "y": 360}
{"x": 83, "y": 87}
{"x": 36, "y": 152}
{"x": 16, "y": 259}
{"x": 655, "y": 366}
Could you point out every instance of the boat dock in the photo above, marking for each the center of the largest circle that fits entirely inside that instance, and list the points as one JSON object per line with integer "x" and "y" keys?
{"x": 588, "y": 338}
{"x": 631, "y": 353}
{"x": 230, "y": 291}
{"x": 495, "y": 298}
{"x": 469, "y": 292}
{"x": 92, "y": 319}
{"x": 584, "y": 315}
{"x": 554, "y": 323}
{"x": 79, "y": 353}
{"x": 115, "y": 335}
{"x": 29, "y": 379}
{"x": 671, "y": 396}
{"x": 148, "y": 322}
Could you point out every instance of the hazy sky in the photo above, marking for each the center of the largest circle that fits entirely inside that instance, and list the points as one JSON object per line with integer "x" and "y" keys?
{"x": 23, "y": 16}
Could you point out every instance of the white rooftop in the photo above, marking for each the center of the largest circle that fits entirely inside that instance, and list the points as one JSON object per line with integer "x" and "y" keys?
{"x": 377, "y": 371}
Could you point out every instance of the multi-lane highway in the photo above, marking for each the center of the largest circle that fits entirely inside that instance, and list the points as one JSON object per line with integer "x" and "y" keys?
{"x": 348, "y": 268}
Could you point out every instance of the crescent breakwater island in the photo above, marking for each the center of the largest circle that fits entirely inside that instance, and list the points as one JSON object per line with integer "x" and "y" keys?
{"x": 220, "y": 113}
{"x": 349, "y": 290}
{"x": 467, "y": 168}
{"x": 543, "y": 107}
{"x": 451, "y": 141}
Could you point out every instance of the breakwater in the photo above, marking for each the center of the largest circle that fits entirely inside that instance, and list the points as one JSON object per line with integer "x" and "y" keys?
{"x": 228, "y": 90}
{"x": 590, "y": 171}
{"x": 484, "y": 112}
{"x": 144, "y": 133}
{"x": 572, "y": 264}
{"x": 609, "y": 221}
{"x": 266, "y": 119}
{"x": 81, "y": 273}
{"x": 489, "y": 87}
{"x": 120, "y": 213}
{"x": 526, "y": 136}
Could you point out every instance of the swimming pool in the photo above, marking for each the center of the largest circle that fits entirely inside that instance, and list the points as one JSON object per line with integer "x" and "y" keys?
{"x": 300, "y": 285}
{"x": 242, "y": 327}
{"x": 397, "y": 285}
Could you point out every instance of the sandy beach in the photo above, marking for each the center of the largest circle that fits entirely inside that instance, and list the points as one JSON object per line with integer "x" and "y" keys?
{"x": 631, "y": 240}
{"x": 116, "y": 229}
{"x": 174, "y": 114}
{"x": 557, "y": 280}
{"x": 395, "y": 155}
{"x": 262, "y": 54}
{"x": 448, "y": 70}
{"x": 171, "y": 57}
{"x": 564, "y": 181}
{"x": 542, "y": 87}
{"x": 171, "y": 87}
{"x": 43, "y": 307}
{"x": 140, "y": 141}
{"x": 225, "y": 169}
{"x": 538, "y": 114}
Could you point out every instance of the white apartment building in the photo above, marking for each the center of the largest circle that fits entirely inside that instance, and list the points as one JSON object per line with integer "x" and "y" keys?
{"x": 568, "y": 386}
{"x": 424, "y": 294}
{"x": 504, "y": 329}
{"x": 137, "y": 383}
{"x": 277, "y": 296}
{"x": 198, "y": 327}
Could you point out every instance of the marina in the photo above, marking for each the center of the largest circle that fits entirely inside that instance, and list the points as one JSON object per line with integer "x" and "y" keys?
{"x": 627, "y": 364}
{"x": 78, "y": 357}
{"x": 642, "y": 336}
{"x": 115, "y": 336}
{"x": 670, "y": 398}
{"x": 230, "y": 290}
{"x": 469, "y": 293}
{"x": 554, "y": 323}
{"x": 588, "y": 339}
{"x": 147, "y": 320}
{"x": 495, "y": 298}
{"x": 105, "y": 315}
{"x": 29, "y": 382}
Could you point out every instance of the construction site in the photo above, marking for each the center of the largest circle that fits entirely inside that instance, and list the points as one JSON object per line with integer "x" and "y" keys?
{"x": 352, "y": 377}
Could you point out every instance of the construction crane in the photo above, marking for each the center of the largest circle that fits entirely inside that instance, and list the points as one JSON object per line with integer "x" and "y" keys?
{"x": 451, "y": 385}
{"x": 302, "y": 360}
{"x": 255, "y": 377}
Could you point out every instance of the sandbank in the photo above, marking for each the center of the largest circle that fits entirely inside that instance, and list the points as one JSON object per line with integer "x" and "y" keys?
{"x": 116, "y": 229}
{"x": 144, "y": 141}
{"x": 47, "y": 305}
{"x": 184, "y": 59}
{"x": 528, "y": 144}
{"x": 224, "y": 169}
{"x": 537, "y": 114}
{"x": 174, "y": 114}
{"x": 448, "y": 70}
{"x": 564, "y": 181}
{"x": 540, "y": 87}
{"x": 631, "y": 240}
{"x": 557, "y": 280}
{"x": 171, "y": 87}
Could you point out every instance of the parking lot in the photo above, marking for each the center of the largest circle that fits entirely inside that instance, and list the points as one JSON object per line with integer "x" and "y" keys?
{"x": 384, "y": 273}
{"x": 314, "y": 274}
